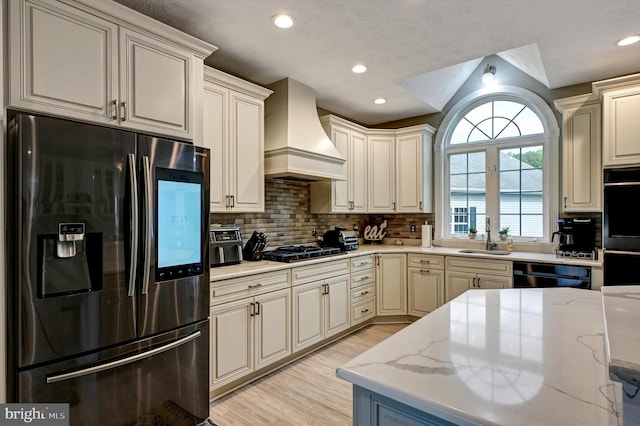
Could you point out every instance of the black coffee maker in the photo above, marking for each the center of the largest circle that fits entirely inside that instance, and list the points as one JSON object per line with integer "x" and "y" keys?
{"x": 575, "y": 235}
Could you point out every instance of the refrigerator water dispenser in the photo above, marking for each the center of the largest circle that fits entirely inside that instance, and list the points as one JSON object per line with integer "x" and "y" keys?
{"x": 70, "y": 262}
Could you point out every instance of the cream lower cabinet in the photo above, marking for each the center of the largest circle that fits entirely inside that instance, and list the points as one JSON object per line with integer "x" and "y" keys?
{"x": 105, "y": 65}
{"x": 425, "y": 281}
{"x": 251, "y": 332}
{"x": 463, "y": 274}
{"x": 363, "y": 289}
{"x": 233, "y": 129}
{"x": 391, "y": 284}
{"x": 320, "y": 301}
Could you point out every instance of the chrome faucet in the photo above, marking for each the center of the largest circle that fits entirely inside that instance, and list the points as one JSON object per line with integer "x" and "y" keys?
{"x": 490, "y": 245}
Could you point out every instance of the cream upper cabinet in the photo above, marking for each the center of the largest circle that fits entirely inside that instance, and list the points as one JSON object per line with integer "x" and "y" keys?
{"x": 387, "y": 170}
{"x": 391, "y": 284}
{"x": 97, "y": 61}
{"x": 581, "y": 153}
{"x": 155, "y": 92}
{"x": 350, "y": 195}
{"x": 63, "y": 61}
{"x": 621, "y": 127}
{"x": 414, "y": 178}
{"x": 382, "y": 173}
{"x": 233, "y": 129}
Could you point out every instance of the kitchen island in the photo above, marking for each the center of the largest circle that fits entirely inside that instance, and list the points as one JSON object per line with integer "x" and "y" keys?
{"x": 622, "y": 315}
{"x": 499, "y": 357}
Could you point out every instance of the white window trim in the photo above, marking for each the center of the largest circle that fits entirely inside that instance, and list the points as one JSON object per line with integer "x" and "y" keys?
{"x": 550, "y": 139}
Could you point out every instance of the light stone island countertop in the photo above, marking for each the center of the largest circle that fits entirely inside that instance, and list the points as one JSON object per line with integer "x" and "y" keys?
{"x": 622, "y": 317}
{"x": 500, "y": 357}
{"x": 249, "y": 268}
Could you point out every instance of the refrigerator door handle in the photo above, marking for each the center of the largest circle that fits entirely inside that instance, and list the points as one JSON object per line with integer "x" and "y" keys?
{"x": 148, "y": 197}
{"x": 133, "y": 181}
{"x": 123, "y": 361}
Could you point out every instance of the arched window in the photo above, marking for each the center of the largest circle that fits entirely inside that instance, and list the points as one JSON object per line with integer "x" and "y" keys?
{"x": 497, "y": 158}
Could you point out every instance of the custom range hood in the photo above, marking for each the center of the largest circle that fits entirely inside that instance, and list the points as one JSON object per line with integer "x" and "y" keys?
{"x": 296, "y": 147}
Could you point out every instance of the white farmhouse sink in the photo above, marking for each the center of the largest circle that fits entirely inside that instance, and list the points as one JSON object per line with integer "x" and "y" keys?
{"x": 479, "y": 251}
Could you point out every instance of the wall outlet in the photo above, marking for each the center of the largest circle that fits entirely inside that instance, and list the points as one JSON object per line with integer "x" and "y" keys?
{"x": 412, "y": 228}
{"x": 314, "y": 232}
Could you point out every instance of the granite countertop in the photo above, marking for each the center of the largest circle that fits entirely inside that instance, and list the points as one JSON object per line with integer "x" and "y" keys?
{"x": 249, "y": 268}
{"x": 622, "y": 316}
{"x": 502, "y": 357}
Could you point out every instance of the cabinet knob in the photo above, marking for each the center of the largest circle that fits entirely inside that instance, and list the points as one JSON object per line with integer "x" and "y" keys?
{"x": 364, "y": 311}
{"x": 255, "y": 286}
{"x": 425, "y": 271}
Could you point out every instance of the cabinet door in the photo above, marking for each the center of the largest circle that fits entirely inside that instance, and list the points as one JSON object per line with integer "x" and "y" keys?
{"x": 581, "y": 148}
{"x": 246, "y": 153}
{"x": 493, "y": 281}
{"x": 621, "y": 127}
{"x": 215, "y": 134}
{"x": 231, "y": 341}
{"x": 409, "y": 175}
{"x": 391, "y": 284}
{"x": 340, "y": 188}
{"x": 358, "y": 172}
{"x": 381, "y": 190}
{"x": 426, "y": 290}
{"x": 457, "y": 283}
{"x": 336, "y": 305}
{"x": 62, "y": 61}
{"x": 155, "y": 85}
{"x": 308, "y": 315}
{"x": 272, "y": 324}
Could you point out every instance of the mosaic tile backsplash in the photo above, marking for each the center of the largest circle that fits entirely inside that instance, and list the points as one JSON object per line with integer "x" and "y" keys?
{"x": 287, "y": 219}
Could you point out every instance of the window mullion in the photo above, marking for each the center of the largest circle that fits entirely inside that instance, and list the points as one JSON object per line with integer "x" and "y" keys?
{"x": 493, "y": 188}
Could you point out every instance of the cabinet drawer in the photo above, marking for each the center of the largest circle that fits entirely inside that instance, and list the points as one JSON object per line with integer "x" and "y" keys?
{"x": 363, "y": 311}
{"x": 224, "y": 291}
{"x": 464, "y": 264}
{"x": 363, "y": 292}
{"x": 363, "y": 277}
{"x": 361, "y": 262}
{"x": 426, "y": 261}
{"x": 320, "y": 271}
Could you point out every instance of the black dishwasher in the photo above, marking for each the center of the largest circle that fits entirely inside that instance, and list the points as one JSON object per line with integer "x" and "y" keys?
{"x": 536, "y": 275}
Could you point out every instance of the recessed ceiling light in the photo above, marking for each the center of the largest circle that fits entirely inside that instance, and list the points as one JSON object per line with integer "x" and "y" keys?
{"x": 282, "y": 20}
{"x": 359, "y": 69}
{"x": 379, "y": 101}
{"x": 629, "y": 40}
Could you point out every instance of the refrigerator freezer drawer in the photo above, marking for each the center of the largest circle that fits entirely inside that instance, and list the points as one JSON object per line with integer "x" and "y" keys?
{"x": 161, "y": 378}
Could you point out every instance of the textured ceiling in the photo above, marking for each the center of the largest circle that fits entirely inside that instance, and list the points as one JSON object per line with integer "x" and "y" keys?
{"x": 419, "y": 52}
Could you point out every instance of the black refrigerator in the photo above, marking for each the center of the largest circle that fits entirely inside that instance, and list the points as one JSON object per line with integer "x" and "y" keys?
{"x": 108, "y": 281}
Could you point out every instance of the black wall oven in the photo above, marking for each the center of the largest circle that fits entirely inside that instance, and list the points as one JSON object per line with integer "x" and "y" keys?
{"x": 621, "y": 226}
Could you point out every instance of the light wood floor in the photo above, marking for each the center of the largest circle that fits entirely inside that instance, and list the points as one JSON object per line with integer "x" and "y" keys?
{"x": 306, "y": 392}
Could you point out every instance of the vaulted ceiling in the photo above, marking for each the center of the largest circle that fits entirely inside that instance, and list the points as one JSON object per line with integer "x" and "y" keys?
{"x": 418, "y": 52}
